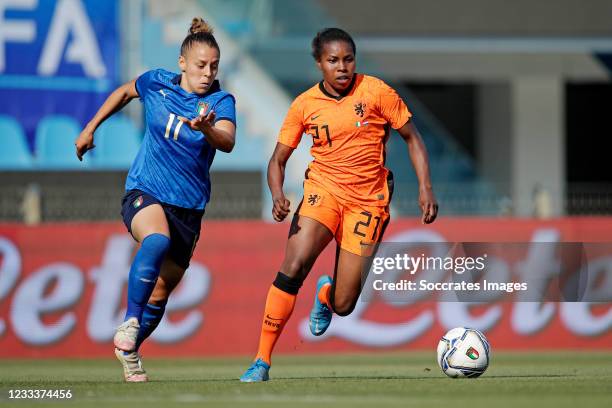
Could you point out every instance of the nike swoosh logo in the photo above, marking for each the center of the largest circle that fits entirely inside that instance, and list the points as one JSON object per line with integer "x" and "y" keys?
{"x": 314, "y": 117}
{"x": 271, "y": 318}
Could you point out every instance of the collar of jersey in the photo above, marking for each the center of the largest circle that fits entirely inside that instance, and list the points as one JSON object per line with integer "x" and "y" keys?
{"x": 213, "y": 88}
{"x": 343, "y": 94}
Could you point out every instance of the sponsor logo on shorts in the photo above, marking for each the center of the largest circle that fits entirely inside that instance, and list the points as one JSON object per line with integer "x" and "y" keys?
{"x": 313, "y": 199}
{"x": 137, "y": 202}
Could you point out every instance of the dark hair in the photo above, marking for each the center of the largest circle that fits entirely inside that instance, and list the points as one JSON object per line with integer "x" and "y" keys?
{"x": 199, "y": 32}
{"x": 328, "y": 35}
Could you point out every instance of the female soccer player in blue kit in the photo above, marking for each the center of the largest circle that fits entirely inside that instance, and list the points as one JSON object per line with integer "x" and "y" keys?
{"x": 168, "y": 185}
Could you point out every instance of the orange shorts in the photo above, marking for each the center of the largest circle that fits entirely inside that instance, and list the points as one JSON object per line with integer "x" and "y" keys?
{"x": 355, "y": 227}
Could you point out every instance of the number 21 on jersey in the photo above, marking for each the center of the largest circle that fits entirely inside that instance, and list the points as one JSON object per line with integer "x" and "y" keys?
{"x": 316, "y": 134}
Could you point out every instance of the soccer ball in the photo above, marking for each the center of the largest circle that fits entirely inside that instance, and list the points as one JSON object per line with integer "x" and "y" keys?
{"x": 463, "y": 352}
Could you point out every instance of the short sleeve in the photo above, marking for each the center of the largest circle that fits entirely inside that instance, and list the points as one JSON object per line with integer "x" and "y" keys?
{"x": 293, "y": 126}
{"x": 392, "y": 107}
{"x": 143, "y": 82}
{"x": 226, "y": 109}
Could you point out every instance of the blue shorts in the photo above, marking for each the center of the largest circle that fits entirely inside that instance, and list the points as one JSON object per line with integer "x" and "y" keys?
{"x": 184, "y": 224}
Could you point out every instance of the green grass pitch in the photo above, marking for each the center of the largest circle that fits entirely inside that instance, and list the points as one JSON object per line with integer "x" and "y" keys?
{"x": 568, "y": 379}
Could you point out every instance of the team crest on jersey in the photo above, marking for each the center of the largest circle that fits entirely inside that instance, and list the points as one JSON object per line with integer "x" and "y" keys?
{"x": 313, "y": 199}
{"x": 202, "y": 108}
{"x": 360, "y": 109}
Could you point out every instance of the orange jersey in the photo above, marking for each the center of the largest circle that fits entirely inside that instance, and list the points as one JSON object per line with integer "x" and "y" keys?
{"x": 349, "y": 135}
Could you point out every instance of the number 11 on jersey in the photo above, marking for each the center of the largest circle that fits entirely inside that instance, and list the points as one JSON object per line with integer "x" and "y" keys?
{"x": 169, "y": 127}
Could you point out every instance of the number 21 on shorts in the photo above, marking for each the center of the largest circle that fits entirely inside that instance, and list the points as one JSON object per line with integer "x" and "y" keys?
{"x": 364, "y": 228}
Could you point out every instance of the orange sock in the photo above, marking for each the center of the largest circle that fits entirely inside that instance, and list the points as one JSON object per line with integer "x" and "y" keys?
{"x": 323, "y": 295}
{"x": 279, "y": 306}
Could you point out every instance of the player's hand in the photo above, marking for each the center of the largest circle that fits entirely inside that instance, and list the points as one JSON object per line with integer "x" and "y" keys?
{"x": 281, "y": 208}
{"x": 428, "y": 204}
{"x": 201, "y": 122}
{"x": 84, "y": 143}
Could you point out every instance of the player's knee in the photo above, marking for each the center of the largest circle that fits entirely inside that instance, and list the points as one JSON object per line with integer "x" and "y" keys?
{"x": 154, "y": 248}
{"x": 295, "y": 269}
{"x": 343, "y": 306}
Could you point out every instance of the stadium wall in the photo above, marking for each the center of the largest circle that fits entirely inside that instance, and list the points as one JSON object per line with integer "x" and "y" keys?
{"x": 62, "y": 292}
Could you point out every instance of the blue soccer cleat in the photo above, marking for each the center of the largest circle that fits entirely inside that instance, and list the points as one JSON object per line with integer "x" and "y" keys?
{"x": 257, "y": 372}
{"x": 320, "y": 315}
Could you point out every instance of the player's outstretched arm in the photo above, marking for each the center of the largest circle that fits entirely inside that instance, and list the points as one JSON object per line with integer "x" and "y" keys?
{"x": 221, "y": 134}
{"x": 420, "y": 161}
{"x": 276, "y": 177}
{"x": 114, "y": 103}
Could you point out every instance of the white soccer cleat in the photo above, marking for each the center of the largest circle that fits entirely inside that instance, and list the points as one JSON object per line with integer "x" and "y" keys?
{"x": 125, "y": 337}
{"x": 132, "y": 366}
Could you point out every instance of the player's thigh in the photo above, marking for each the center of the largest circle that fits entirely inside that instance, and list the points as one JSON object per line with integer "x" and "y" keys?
{"x": 169, "y": 277}
{"x": 149, "y": 220}
{"x": 351, "y": 271}
{"x": 362, "y": 228}
{"x": 360, "y": 232}
{"x": 314, "y": 224}
{"x": 307, "y": 239}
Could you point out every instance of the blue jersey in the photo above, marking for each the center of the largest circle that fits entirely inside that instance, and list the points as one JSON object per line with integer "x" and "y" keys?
{"x": 173, "y": 162}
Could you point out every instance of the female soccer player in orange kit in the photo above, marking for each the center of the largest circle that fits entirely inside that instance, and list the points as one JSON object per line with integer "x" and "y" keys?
{"x": 347, "y": 189}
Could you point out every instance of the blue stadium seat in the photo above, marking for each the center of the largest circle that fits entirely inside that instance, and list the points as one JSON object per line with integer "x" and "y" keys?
{"x": 14, "y": 152}
{"x": 117, "y": 142}
{"x": 55, "y": 136}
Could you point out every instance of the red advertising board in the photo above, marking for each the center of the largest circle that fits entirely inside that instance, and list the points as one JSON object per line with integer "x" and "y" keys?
{"x": 62, "y": 293}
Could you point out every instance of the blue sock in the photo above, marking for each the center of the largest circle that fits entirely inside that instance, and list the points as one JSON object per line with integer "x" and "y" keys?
{"x": 144, "y": 273}
{"x": 151, "y": 317}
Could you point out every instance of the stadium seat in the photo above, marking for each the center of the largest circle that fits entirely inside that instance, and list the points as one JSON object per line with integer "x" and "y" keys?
{"x": 55, "y": 136}
{"x": 117, "y": 142}
{"x": 14, "y": 151}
